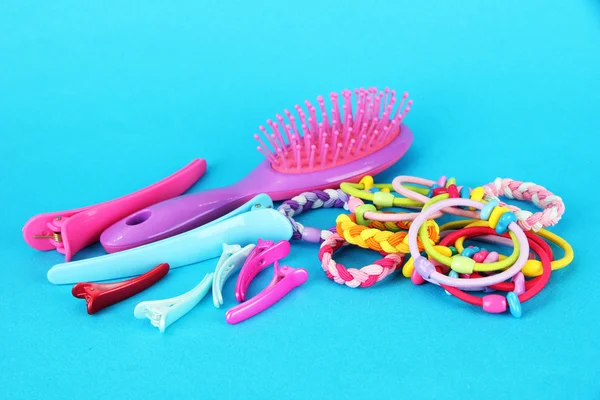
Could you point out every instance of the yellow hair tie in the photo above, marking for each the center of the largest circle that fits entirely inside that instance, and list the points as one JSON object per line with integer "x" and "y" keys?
{"x": 379, "y": 240}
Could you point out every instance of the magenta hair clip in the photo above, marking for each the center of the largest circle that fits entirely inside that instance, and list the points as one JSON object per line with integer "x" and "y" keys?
{"x": 70, "y": 231}
{"x": 101, "y": 295}
{"x": 285, "y": 279}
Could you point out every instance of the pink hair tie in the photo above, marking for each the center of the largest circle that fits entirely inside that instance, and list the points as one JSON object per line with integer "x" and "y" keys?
{"x": 552, "y": 206}
{"x": 352, "y": 277}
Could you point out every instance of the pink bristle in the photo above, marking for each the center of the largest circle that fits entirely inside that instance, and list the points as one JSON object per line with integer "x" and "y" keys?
{"x": 346, "y": 125}
{"x": 335, "y": 137}
{"x": 324, "y": 154}
{"x": 384, "y": 135}
{"x": 264, "y": 146}
{"x": 311, "y": 160}
{"x": 360, "y": 143}
{"x": 305, "y": 136}
{"x": 321, "y": 131}
{"x": 348, "y": 138}
{"x": 336, "y": 108}
{"x": 298, "y": 157}
{"x": 264, "y": 131}
{"x": 337, "y": 152}
{"x": 293, "y": 142}
{"x": 334, "y": 125}
{"x": 293, "y": 121}
{"x": 284, "y": 127}
{"x": 383, "y": 122}
{"x": 275, "y": 128}
{"x": 323, "y": 141}
{"x": 268, "y": 156}
{"x": 311, "y": 128}
{"x": 273, "y": 141}
{"x": 404, "y": 97}
{"x": 282, "y": 158}
{"x": 372, "y": 139}
{"x": 324, "y": 117}
{"x": 305, "y": 131}
{"x": 347, "y": 105}
{"x": 373, "y": 125}
{"x": 349, "y": 148}
{"x": 363, "y": 130}
{"x": 385, "y": 97}
{"x": 307, "y": 144}
{"x": 302, "y": 118}
{"x": 312, "y": 111}
{"x": 359, "y": 118}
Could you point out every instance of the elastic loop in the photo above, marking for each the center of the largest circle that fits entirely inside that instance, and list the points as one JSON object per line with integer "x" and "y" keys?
{"x": 383, "y": 200}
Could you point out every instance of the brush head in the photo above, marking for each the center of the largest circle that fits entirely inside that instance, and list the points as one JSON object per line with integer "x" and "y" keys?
{"x": 366, "y": 123}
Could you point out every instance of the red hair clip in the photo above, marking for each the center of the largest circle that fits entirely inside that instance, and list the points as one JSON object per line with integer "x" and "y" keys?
{"x": 101, "y": 295}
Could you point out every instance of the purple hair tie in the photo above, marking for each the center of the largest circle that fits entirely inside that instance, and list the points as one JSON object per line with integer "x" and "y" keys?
{"x": 328, "y": 198}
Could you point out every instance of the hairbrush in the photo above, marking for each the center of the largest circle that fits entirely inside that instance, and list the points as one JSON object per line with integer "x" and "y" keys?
{"x": 363, "y": 137}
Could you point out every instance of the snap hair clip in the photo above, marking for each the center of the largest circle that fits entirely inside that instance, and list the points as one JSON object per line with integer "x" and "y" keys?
{"x": 101, "y": 295}
{"x": 163, "y": 313}
{"x": 285, "y": 279}
{"x": 70, "y": 231}
{"x": 231, "y": 260}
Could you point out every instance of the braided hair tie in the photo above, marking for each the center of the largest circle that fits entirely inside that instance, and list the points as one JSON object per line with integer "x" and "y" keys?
{"x": 379, "y": 240}
{"x": 364, "y": 277}
{"x": 552, "y": 206}
{"x": 327, "y": 198}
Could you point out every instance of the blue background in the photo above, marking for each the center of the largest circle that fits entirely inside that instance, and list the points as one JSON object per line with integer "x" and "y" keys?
{"x": 100, "y": 99}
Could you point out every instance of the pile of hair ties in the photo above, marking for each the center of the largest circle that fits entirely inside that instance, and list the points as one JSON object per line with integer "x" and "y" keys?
{"x": 429, "y": 252}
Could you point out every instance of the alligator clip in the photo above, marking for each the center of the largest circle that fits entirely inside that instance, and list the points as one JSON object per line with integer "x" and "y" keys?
{"x": 285, "y": 279}
{"x": 244, "y": 225}
{"x": 101, "y": 295}
{"x": 163, "y": 313}
{"x": 70, "y": 231}
{"x": 231, "y": 260}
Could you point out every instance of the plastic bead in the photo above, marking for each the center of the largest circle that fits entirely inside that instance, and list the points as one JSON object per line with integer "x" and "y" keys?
{"x": 451, "y": 181}
{"x": 462, "y": 265}
{"x": 443, "y": 250}
{"x": 311, "y": 235}
{"x": 496, "y": 214}
{"x": 494, "y": 303}
{"x": 424, "y": 267}
{"x": 360, "y": 213}
{"x": 374, "y": 189}
{"x": 385, "y": 190}
{"x": 480, "y": 256}
{"x": 519, "y": 281}
{"x": 491, "y": 258}
{"x": 433, "y": 187}
{"x": 383, "y": 200}
{"x": 532, "y": 268}
{"x": 453, "y": 191}
{"x": 465, "y": 193}
{"x": 367, "y": 182}
{"x": 485, "y": 212}
{"x": 477, "y": 194}
{"x": 453, "y": 250}
{"x": 504, "y": 221}
{"x": 452, "y": 274}
{"x": 408, "y": 267}
{"x": 514, "y": 304}
{"x": 469, "y": 251}
{"x": 442, "y": 181}
{"x": 438, "y": 191}
{"x": 416, "y": 278}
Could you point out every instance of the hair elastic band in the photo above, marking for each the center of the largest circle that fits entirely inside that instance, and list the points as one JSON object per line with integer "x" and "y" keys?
{"x": 364, "y": 277}
{"x": 378, "y": 240}
{"x": 458, "y": 263}
{"x": 494, "y": 303}
{"x": 552, "y": 206}
{"x": 531, "y": 268}
{"x": 327, "y": 198}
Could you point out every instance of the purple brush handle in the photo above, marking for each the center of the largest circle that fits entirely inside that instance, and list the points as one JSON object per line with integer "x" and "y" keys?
{"x": 187, "y": 212}
{"x": 174, "y": 216}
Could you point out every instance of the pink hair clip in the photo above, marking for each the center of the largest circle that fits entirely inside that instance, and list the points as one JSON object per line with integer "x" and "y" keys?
{"x": 285, "y": 279}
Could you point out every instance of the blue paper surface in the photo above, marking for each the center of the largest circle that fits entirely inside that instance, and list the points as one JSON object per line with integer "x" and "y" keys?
{"x": 99, "y": 99}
